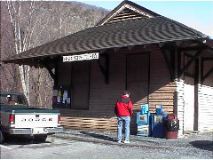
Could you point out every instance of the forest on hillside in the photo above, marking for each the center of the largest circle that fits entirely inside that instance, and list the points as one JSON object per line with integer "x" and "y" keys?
{"x": 27, "y": 24}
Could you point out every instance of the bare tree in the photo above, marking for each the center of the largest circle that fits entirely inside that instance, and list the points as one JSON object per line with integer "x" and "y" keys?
{"x": 25, "y": 24}
{"x": 9, "y": 78}
{"x": 15, "y": 9}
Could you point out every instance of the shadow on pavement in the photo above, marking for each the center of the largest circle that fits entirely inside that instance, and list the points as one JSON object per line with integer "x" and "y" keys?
{"x": 99, "y": 136}
{"x": 203, "y": 144}
{"x": 16, "y": 140}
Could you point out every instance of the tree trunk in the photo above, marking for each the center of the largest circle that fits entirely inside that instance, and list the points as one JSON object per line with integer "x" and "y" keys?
{"x": 15, "y": 14}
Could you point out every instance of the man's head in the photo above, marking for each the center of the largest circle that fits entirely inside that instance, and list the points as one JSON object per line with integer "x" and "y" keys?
{"x": 126, "y": 93}
{"x": 9, "y": 97}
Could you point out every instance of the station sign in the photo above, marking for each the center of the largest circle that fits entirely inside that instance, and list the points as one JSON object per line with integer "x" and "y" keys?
{"x": 81, "y": 57}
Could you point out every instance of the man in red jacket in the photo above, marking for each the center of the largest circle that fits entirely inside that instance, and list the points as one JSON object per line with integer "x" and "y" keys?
{"x": 123, "y": 111}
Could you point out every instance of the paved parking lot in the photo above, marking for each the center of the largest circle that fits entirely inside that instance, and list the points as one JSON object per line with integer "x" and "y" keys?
{"x": 88, "y": 144}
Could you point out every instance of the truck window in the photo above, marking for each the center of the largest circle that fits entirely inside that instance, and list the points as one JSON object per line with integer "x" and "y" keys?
{"x": 12, "y": 99}
{"x": 21, "y": 100}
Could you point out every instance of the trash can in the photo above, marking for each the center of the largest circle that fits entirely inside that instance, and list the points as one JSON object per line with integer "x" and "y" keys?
{"x": 172, "y": 126}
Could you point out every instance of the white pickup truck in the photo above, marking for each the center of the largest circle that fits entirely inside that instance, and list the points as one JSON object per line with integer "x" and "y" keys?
{"x": 17, "y": 118}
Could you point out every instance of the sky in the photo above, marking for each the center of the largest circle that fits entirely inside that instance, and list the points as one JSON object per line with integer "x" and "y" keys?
{"x": 195, "y": 14}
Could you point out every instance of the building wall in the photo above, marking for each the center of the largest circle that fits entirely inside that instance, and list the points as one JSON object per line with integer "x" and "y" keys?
{"x": 102, "y": 96}
{"x": 205, "y": 116}
{"x": 161, "y": 88}
{"x": 205, "y": 100}
{"x": 180, "y": 104}
{"x": 190, "y": 118}
{"x": 189, "y": 104}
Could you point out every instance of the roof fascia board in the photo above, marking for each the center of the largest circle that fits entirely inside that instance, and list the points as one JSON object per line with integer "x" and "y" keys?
{"x": 138, "y": 11}
{"x": 121, "y": 7}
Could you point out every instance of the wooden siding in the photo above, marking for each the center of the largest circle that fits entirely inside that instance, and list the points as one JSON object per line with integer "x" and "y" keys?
{"x": 205, "y": 116}
{"x": 161, "y": 88}
{"x": 180, "y": 104}
{"x": 94, "y": 120}
{"x": 126, "y": 13}
{"x": 189, "y": 104}
{"x": 103, "y": 96}
{"x": 205, "y": 100}
{"x": 90, "y": 123}
{"x": 185, "y": 92}
{"x": 137, "y": 78}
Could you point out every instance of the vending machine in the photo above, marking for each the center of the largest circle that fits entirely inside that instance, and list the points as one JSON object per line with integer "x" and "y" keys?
{"x": 142, "y": 121}
{"x": 157, "y": 123}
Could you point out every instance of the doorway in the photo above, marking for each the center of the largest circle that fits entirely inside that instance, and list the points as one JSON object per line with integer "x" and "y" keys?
{"x": 80, "y": 83}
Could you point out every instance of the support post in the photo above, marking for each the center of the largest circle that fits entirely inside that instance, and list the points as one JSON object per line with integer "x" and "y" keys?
{"x": 104, "y": 66}
{"x": 196, "y": 96}
{"x": 169, "y": 57}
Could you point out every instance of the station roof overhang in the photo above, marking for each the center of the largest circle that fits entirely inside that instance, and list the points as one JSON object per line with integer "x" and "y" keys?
{"x": 132, "y": 32}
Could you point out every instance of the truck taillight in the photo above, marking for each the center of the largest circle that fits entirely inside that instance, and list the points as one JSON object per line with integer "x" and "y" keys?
{"x": 11, "y": 118}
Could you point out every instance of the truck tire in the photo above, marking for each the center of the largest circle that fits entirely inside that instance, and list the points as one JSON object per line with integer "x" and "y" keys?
{"x": 1, "y": 137}
{"x": 40, "y": 138}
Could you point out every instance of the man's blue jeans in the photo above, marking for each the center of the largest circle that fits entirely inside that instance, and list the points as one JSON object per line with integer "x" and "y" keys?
{"x": 126, "y": 121}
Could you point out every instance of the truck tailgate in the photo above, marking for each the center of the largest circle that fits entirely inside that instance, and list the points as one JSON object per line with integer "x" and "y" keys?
{"x": 36, "y": 120}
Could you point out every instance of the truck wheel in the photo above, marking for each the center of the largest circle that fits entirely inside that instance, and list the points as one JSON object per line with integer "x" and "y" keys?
{"x": 40, "y": 138}
{"x": 1, "y": 137}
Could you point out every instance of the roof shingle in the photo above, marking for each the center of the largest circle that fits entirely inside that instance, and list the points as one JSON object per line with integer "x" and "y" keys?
{"x": 121, "y": 34}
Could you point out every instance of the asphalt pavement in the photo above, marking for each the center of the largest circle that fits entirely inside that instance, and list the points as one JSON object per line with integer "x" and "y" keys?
{"x": 191, "y": 145}
{"x": 82, "y": 144}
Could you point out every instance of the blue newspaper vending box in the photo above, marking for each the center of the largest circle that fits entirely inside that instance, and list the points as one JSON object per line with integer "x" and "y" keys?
{"x": 142, "y": 121}
{"x": 157, "y": 128}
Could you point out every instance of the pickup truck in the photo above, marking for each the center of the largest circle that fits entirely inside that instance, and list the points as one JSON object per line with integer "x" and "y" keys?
{"x": 18, "y": 118}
